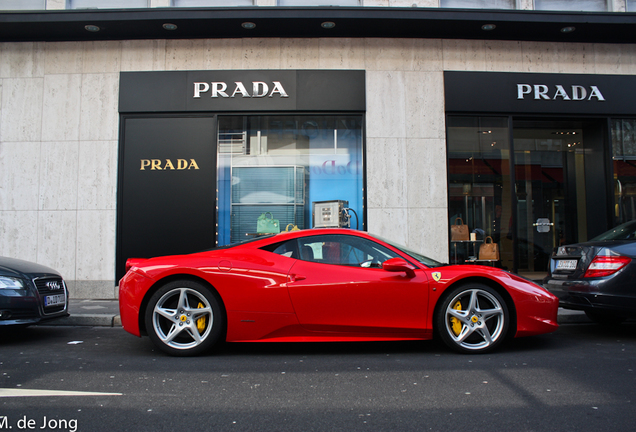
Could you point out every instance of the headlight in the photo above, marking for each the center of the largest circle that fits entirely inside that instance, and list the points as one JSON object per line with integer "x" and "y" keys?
{"x": 11, "y": 283}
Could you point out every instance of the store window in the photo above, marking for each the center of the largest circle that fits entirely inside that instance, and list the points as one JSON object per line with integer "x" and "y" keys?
{"x": 478, "y": 4}
{"x": 278, "y": 165}
{"x": 107, "y": 4}
{"x": 624, "y": 164}
{"x": 631, "y": 5}
{"x": 569, "y": 5}
{"x": 479, "y": 185}
{"x": 319, "y": 3}
{"x": 22, "y": 5}
{"x": 211, "y": 3}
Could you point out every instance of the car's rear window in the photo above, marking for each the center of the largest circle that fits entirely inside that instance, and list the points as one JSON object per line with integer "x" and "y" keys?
{"x": 626, "y": 231}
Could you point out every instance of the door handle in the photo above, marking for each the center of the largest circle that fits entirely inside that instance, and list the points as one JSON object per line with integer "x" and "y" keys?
{"x": 543, "y": 225}
{"x": 295, "y": 277}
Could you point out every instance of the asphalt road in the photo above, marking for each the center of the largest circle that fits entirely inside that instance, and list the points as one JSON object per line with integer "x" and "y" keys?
{"x": 580, "y": 378}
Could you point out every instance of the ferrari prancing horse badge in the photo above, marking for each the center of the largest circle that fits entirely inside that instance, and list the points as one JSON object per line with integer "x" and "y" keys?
{"x": 437, "y": 276}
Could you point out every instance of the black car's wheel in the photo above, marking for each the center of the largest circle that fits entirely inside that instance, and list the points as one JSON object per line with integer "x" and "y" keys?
{"x": 472, "y": 319}
{"x": 184, "y": 318}
{"x": 605, "y": 318}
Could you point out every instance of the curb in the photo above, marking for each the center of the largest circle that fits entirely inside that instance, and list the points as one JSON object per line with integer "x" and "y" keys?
{"x": 88, "y": 320}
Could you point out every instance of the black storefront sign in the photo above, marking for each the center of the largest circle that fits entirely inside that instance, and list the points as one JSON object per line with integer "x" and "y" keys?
{"x": 520, "y": 93}
{"x": 242, "y": 90}
{"x": 168, "y": 145}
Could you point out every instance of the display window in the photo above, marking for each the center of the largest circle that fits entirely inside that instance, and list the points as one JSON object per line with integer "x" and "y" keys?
{"x": 271, "y": 168}
{"x": 624, "y": 164}
{"x": 527, "y": 196}
{"x": 479, "y": 187}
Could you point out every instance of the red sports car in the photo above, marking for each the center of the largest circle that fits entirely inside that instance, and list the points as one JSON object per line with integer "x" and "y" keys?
{"x": 326, "y": 285}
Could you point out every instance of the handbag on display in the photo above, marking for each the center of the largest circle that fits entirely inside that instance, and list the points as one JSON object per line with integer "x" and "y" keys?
{"x": 266, "y": 224}
{"x": 459, "y": 231}
{"x": 489, "y": 250}
{"x": 293, "y": 227}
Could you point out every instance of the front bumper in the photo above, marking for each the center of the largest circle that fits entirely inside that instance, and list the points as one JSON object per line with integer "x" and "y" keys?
{"x": 29, "y": 306}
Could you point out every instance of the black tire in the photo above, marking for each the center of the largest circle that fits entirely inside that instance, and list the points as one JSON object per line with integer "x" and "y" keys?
{"x": 184, "y": 318}
{"x": 605, "y": 318}
{"x": 472, "y": 318}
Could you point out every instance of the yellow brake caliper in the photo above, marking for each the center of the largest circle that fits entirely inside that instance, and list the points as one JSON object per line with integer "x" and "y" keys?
{"x": 456, "y": 325}
{"x": 200, "y": 321}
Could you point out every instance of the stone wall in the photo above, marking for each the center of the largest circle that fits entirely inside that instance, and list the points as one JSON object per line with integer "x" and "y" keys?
{"x": 59, "y": 128}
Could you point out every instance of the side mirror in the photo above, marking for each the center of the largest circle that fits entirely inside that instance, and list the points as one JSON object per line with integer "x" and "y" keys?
{"x": 397, "y": 265}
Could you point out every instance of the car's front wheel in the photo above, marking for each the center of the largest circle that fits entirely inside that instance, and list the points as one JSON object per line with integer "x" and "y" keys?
{"x": 472, "y": 318}
{"x": 184, "y": 318}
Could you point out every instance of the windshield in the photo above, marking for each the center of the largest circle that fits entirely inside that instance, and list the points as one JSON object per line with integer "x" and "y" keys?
{"x": 626, "y": 231}
{"x": 428, "y": 262}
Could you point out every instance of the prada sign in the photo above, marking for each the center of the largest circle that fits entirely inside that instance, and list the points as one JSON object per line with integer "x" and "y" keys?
{"x": 242, "y": 90}
{"x": 259, "y": 89}
{"x": 543, "y": 92}
{"x": 475, "y": 92}
{"x": 168, "y": 164}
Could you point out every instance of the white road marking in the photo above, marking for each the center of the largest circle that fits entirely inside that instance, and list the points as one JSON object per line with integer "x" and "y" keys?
{"x": 34, "y": 392}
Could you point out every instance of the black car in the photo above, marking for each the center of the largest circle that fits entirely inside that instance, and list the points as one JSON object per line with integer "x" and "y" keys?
{"x": 30, "y": 293}
{"x": 597, "y": 276}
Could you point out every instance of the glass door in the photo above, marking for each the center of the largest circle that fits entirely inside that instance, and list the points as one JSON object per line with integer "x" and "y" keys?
{"x": 550, "y": 186}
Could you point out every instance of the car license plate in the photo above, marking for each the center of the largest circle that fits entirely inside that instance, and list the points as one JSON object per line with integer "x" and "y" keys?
{"x": 54, "y": 300}
{"x": 566, "y": 265}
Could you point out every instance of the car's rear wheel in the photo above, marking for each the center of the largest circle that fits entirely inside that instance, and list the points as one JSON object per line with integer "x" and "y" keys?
{"x": 184, "y": 318}
{"x": 472, "y": 318}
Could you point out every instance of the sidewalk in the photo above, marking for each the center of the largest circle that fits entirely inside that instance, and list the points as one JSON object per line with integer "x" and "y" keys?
{"x": 101, "y": 313}
{"x": 105, "y": 313}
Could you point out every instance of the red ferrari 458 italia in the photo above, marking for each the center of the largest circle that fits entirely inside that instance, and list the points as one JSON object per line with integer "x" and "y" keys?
{"x": 326, "y": 285}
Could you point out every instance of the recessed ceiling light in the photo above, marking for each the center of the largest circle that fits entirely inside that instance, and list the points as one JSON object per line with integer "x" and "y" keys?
{"x": 488, "y": 27}
{"x": 92, "y": 28}
{"x": 248, "y": 25}
{"x": 169, "y": 26}
{"x": 569, "y": 29}
{"x": 328, "y": 25}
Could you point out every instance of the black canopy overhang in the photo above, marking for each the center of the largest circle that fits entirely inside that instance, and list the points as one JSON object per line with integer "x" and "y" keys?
{"x": 305, "y": 22}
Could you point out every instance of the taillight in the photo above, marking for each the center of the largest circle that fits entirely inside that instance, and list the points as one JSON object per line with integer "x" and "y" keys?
{"x": 606, "y": 265}
{"x": 132, "y": 262}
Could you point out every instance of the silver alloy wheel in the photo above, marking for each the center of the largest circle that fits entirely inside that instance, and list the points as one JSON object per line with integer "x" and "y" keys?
{"x": 176, "y": 315}
{"x": 475, "y": 319}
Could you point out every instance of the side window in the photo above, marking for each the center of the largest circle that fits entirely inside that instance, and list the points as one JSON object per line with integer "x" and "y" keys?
{"x": 288, "y": 249}
{"x": 343, "y": 250}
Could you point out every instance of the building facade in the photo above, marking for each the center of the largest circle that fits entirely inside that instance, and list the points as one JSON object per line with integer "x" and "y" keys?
{"x": 120, "y": 145}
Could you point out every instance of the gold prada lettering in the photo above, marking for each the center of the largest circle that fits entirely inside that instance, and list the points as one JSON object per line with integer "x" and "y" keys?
{"x": 168, "y": 165}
